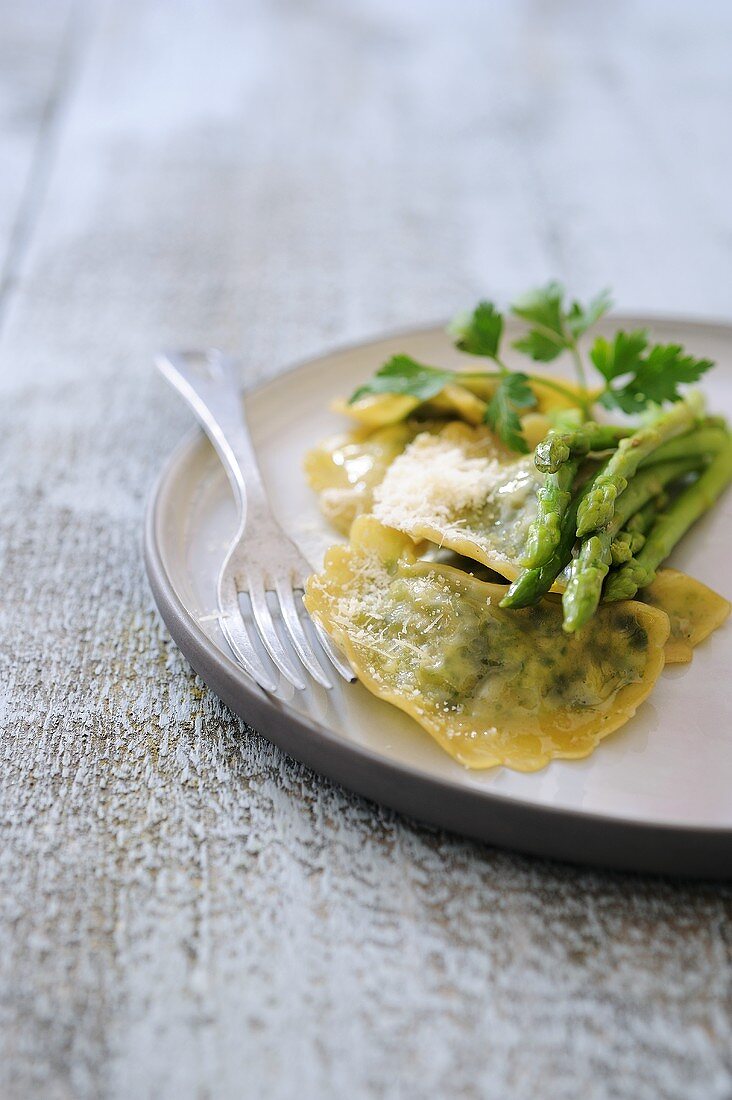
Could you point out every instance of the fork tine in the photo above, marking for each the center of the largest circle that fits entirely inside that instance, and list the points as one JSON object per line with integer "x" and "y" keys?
{"x": 238, "y": 638}
{"x": 268, "y": 634}
{"x": 297, "y": 635}
{"x": 339, "y": 662}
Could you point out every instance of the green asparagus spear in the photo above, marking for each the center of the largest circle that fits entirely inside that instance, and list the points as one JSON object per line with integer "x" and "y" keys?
{"x": 625, "y": 545}
{"x": 709, "y": 439}
{"x": 596, "y": 510}
{"x": 591, "y": 566}
{"x": 559, "y": 456}
{"x": 633, "y": 536}
{"x": 671, "y": 526}
{"x": 559, "y": 447}
{"x": 532, "y": 584}
{"x": 645, "y": 517}
{"x": 554, "y": 499}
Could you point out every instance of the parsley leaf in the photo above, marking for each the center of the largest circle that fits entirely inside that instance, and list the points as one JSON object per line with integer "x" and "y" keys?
{"x": 404, "y": 375}
{"x": 542, "y": 308}
{"x": 539, "y": 346}
{"x": 513, "y": 392}
{"x": 651, "y": 376}
{"x": 479, "y": 332}
{"x": 555, "y": 328}
{"x": 622, "y": 355}
{"x": 580, "y": 319}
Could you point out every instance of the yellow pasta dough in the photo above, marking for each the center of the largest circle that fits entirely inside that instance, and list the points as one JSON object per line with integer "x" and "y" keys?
{"x": 491, "y": 686}
{"x": 694, "y": 610}
{"x": 345, "y": 469}
{"x": 466, "y": 400}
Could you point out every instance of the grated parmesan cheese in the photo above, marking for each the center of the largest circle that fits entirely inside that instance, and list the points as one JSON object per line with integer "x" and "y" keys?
{"x": 437, "y": 477}
{"x": 460, "y": 489}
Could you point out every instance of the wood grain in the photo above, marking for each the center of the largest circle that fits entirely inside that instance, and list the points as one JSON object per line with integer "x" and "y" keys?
{"x": 37, "y": 47}
{"x": 183, "y": 911}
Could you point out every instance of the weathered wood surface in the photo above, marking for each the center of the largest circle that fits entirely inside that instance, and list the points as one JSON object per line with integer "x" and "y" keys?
{"x": 37, "y": 43}
{"x": 184, "y": 912}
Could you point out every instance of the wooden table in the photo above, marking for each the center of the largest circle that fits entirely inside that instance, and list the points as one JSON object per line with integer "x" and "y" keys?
{"x": 183, "y": 911}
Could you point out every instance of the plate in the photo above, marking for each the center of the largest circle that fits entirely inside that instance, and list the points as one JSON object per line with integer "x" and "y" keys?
{"x": 655, "y": 796}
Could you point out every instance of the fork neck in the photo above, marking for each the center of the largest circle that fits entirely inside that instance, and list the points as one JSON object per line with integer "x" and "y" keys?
{"x": 208, "y": 382}
{"x": 234, "y": 447}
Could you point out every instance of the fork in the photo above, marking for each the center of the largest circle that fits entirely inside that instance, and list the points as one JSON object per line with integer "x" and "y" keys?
{"x": 261, "y": 558}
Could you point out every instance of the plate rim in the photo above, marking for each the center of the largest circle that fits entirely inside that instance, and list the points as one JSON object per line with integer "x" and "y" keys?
{"x": 496, "y": 818}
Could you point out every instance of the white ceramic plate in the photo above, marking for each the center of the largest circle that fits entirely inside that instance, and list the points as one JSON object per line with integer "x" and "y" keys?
{"x": 656, "y": 795}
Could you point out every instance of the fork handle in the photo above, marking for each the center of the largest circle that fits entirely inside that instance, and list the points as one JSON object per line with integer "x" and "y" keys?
{"x": 207, "y": 381}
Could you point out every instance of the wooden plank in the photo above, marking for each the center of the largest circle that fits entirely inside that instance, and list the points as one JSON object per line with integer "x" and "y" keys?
{"x": 184, "y": 912}
{"x": 36, "y": 60}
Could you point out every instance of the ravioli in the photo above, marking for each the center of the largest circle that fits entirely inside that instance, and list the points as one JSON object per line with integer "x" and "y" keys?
{"x": 694, "y": 611}
{"x": 345, "y": 469}
{"x": 461, "y": 489}
{"x": 377, "y": 410}
{"x": 466, "y": 400}
{"x": 491, "y": 686}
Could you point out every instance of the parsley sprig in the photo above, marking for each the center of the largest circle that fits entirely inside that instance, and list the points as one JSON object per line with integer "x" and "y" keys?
{"x": 403, "y": 375}
{"x": 556, "y": 327}
{"x": 635, "y": 372}
{"x": 513, "y": 392}
{"x": 480, "y": 333}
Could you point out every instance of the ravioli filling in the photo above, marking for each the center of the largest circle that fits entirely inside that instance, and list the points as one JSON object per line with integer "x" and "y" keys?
{"x": 491, "y": 686}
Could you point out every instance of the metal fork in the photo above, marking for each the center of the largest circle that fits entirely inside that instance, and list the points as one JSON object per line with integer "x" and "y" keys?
{"x": 261, "y": 558}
